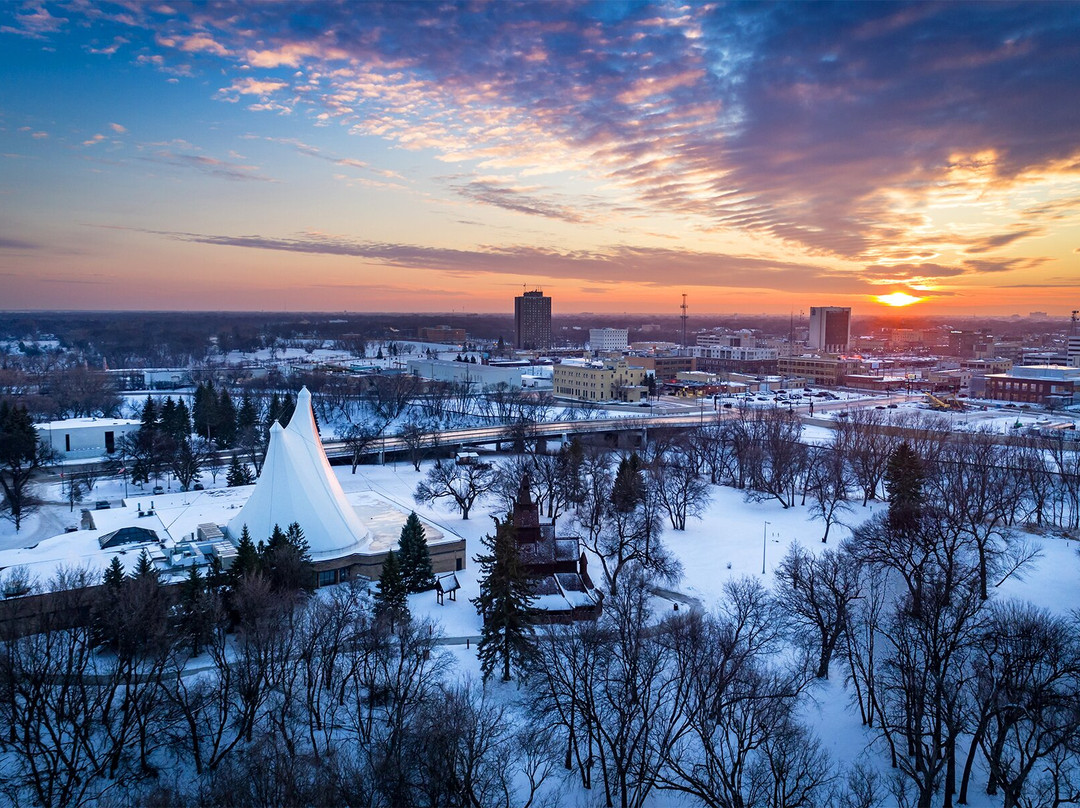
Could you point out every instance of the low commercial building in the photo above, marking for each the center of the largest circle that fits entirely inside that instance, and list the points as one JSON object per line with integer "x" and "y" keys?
{"x": 84, "y": 438}
{"x": 442, "y": 334}
{"x": 478, "y": 377}
{"x": 1053, "y": 385}
{"x": 739, "y": 358}
{"x": 608, "y": 380}
{"x": 665, "y": 366}
{"x": 824, "y": 370}
{"x": 605, "y": 340}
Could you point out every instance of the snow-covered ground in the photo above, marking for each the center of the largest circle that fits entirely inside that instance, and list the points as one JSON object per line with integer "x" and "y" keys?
{"x": 727, "y": 542}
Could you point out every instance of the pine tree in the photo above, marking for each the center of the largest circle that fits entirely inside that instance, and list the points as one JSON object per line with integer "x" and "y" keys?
{"x": 505, "y": 604}
{"x": 149, "y": 415}
{"x": 904, "y": 478}
{"x": 183, "y": 419}
{"x": 195, "y": 613}
{"x": 247, "y": 417}
{"x": 21, "y": 455}
{"x": 286, "y": 560}
{"x": 629, "y": 487}
{"x": 144, "y": 567}
{"x": 239, "y": 474}
{"x": 415, "y": 558}
{"x": 114, "y": 574}
{"x": 392, "y": 597}
{"x": 167, "y": 418}
{"x": 226, "y": 420}
{"x": 247, "y": 560}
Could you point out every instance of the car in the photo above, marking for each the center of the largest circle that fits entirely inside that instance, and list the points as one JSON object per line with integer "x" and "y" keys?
{"x": 197, "y": 487}
{"x": 727, "y": 405}
{"x": 842, "y": 414}
{"x": 879, "y": 407}
{"x": 643, "y": 403}
{"x": 892, "y": 407}
{"x": 102, "y": 505}
{"x": 159, "y": 489}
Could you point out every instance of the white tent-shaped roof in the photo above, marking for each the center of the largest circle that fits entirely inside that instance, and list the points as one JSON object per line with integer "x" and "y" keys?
{"x": 297, "y": 485}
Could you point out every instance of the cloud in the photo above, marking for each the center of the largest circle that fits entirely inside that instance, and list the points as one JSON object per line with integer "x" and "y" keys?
{"x": 837, "y": 128}
{"x": 499, "y": 193}
{"x": 34, "y": 21}
{"x": 614, "y": 265}
{"x": 17, "y": 244}
{"x": 211, "y": 166}
{"x": 94, "y": 140}
{"x": 252, "y": 86}
{"x": 118, "y": 128}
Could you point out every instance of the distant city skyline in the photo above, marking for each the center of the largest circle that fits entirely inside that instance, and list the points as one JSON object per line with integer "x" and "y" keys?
{"x": 436, "y": 157}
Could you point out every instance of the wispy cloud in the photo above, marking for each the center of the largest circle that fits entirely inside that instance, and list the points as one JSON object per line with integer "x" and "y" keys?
{"x": 614, "y": 265}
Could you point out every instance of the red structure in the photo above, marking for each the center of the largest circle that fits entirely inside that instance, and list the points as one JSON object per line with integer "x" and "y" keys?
{"x": 563, "y": 589}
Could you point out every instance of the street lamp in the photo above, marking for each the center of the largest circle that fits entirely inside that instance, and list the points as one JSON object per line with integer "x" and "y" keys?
{"x": 764, "y": 537}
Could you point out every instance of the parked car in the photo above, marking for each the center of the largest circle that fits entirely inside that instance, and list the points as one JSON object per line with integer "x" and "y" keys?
{"x": 159, "y": 489}
{"x": 102, "y": 505}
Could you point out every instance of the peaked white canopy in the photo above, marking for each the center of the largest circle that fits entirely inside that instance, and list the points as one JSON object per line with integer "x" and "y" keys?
{"x": 297, "y": 485}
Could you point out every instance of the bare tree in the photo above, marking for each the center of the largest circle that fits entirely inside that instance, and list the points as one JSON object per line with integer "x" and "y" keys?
{"x": 463, "y": 485}
{"x": 817, "y": 593}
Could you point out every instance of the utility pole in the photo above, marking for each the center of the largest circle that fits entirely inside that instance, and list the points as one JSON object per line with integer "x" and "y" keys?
{"x": 683, "y": 318}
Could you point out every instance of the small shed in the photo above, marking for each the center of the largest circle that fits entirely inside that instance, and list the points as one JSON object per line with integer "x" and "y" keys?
{"x": 446, "y": 584}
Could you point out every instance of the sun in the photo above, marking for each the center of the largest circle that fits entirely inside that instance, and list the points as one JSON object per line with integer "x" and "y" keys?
{"x": 898, "y": 299}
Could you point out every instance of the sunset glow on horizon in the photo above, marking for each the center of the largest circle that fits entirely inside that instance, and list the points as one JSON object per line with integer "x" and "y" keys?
{"x": 898, "y": 299}
{"x": 436, "y": 157}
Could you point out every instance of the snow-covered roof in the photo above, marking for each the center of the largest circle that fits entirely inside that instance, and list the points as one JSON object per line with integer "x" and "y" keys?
{"x": 296, "y": 484}
{"x": 86, "y": 423}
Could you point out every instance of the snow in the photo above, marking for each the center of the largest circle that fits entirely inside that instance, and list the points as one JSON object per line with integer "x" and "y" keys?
{"x": 724, "y": 544}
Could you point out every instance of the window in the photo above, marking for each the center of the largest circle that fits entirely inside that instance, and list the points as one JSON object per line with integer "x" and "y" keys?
{"x": 67, "y": 443}
{"x": 328, "y": 577}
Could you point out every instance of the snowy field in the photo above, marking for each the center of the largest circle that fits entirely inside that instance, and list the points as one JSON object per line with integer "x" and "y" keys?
{"x": 728, "y": 542}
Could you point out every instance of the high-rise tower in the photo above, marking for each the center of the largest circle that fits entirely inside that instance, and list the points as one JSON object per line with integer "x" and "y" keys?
{"x": 830, "y": 329}
{"x": 532, "y": 321}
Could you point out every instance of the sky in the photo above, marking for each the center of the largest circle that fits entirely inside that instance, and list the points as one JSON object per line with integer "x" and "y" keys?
{"x": 443, "y": 157}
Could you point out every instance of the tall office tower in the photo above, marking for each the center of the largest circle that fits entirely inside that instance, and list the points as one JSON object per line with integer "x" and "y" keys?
{"x": 1073, "y": 347}
{"x": 830, "y": 329}
{"x": 532, "y": 321}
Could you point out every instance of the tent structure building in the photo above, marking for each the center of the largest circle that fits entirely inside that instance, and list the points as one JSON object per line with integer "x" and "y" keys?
{"x": 297, "y": 484}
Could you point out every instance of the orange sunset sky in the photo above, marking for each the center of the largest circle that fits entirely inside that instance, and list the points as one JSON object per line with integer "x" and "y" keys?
{"x": 438, "y": 157}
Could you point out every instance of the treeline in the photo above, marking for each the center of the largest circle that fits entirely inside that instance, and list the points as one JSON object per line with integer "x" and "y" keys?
{"x": 989, "y": 483}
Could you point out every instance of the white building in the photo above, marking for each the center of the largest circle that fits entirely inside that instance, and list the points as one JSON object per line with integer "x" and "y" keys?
{"x": 1073, "y": 355}
{"x": 478, "y": 377}
{"x": 84, "y": 438}
{"x": 830, "y": 329}
{"x": 608, "y": 339}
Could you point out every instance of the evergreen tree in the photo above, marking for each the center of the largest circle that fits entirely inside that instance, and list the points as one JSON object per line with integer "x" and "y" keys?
{"x": 144, "y": 567}
{"x": 286, "y": 559}
{"x": 204, "y": 411}
{"x": 114, "y": 574}
{"x": 273, "y": 411}
{"x": 167, "y": 418}
{"x": 183, "y": 419}
{"x": 21, "y": 455}
{"x": 415, "y": 558}
{"x": 239, "y": 474}
{"x": 392, "y": 597}
{"x": 226, "y": 420}
{"x": 247, "y": 558}
{"x": 904, "y": 478}
{"x": 505, "y": 604}
{"x": 247, "y": 417}
{"x": 195, "y": 612}
{"x": 628, "y": 489}
{"x": 149, "y": 416}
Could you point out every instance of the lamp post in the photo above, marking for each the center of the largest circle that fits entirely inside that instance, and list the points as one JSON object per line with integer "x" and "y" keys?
{"x": 764, "y": 537}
